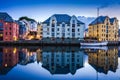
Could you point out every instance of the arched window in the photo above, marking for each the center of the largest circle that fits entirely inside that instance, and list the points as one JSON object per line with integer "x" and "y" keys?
{"x": 53, "y": 23}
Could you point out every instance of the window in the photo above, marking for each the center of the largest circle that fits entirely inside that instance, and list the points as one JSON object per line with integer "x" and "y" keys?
{"x": 57, "y": 33}
{"x": 63, "y": 25}
{"x": 73, "y": 30}
{"x": 73, "y": 25}
{"x": 78, "y": 33}
{"x": 10, "y": 28}
{"x": 63, "y": 34}
{"x": 73, "y": 34}
{"x": 68, "y": 29}
{"x": 53, "y": 30}
{"x": 68, "y": 24}
{"x": 6, "y": 33}
{"x": 57, "y": 29}
{"x": 73, "y": 21}
{"x": 10, "y": 33}
{"x": 47, "y": 29}
{"x": 68, "y": 33}
{"x": 53, "y": 23}
{"x": 78, "y": 24}
{"x": 1, "y": 35}
{"x": 78, "y": 30}
{"x": 52, "y": 34}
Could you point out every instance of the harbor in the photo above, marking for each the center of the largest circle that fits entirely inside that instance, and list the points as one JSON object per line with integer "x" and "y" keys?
{"x": 51, "y": 43}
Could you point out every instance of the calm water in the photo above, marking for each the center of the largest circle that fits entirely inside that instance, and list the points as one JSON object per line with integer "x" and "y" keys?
{"x": 59, "y": 63}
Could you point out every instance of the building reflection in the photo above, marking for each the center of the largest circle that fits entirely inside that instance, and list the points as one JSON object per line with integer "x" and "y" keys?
{"x": 26, "y": 56}
{"x": 62, "y": 60}
{"x": 8, "y": 59}
{"x": 103, "y": 60}
{"x": 39, "y": 55}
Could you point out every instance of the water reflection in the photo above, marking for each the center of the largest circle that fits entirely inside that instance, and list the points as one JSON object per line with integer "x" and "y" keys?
{"x": 103, "y": 60}
{"x": 60, "y": 60}
{"x": 8, "y": 59}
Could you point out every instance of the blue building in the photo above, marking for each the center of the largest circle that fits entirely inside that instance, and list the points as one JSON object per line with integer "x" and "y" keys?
{"x": 22, "y": 29}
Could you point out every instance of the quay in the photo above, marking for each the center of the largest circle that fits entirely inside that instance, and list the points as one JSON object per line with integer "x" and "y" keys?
{"x": 48, "y": 42}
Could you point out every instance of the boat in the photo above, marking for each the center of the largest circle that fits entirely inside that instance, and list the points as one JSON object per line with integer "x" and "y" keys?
{"x": 93, "y": 43}
{"x": 95, "y": 47}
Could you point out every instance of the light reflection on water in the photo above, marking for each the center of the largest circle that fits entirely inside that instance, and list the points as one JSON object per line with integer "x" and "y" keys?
{"x": 101, "y": 63}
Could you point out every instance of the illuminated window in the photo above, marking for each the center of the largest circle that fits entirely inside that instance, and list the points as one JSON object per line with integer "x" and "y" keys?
{"x": 1, "y": 35}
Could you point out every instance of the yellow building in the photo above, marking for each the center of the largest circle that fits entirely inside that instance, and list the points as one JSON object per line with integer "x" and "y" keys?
{"x": 39, "y": 31}
{"x": 104, "y": 29}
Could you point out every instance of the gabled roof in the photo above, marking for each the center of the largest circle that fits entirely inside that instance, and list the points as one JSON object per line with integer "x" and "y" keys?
{"x": 4, "y": 16}
{"x": 62, "y": 18}
{"x": 99, "y": 20}
{"x": 86, "y": 30}
{"x": 112, "y": 20}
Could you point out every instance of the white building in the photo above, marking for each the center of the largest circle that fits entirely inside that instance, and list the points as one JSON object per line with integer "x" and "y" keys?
{"x": 63, "y": 26}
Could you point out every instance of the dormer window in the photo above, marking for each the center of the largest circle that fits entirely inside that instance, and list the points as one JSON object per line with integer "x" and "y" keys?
{"x": 53, "y": 23}
{"x": 63, "y": 25}
{"x": 73, "y": 21}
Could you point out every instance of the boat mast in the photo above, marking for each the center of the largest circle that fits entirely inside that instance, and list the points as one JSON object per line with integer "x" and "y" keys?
{"x": 97, "y": 22}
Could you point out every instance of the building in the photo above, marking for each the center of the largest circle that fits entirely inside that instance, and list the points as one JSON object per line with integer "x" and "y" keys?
{"x": 63, "y": 26}
{"x": 104, "y": 29}
{"x": 9, "y": 29}
{"x": 86, "y": 33}
{"x": 39, "y": 31}
{"x": 31, "y": 27}
{"x": 119, "y": 35}
{"x": 22, "y": 29}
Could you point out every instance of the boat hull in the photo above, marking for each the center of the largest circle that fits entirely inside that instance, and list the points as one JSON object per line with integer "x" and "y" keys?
{"x": 94, "y": 44}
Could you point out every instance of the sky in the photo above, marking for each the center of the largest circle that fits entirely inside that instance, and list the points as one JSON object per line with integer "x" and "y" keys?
{"x": 40, "y": 10}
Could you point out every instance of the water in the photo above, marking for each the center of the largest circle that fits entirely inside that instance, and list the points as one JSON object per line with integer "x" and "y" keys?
{"x": 59, "y": 63}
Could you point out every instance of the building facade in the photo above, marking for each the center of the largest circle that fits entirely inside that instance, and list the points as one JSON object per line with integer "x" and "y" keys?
{"x": 39, "y": 31}
{"x": 9, "y": 29}
{"x": 22, "y": 29}
{"x": 104, "y": 29}
{"x": 63, "y": 26}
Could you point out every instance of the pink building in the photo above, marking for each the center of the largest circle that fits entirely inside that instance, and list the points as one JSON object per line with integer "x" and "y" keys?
{"x": 9, "y": 29}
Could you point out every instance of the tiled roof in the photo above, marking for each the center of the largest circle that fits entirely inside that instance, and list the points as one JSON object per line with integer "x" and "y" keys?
{"x": 4, "y": 16}
{"x": 62, "y": 18}
{"x": 112, "y": 20}
{"x": 99, "y": 20}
